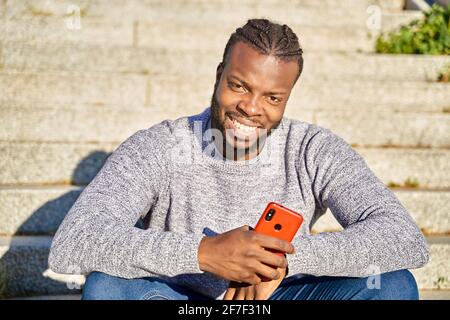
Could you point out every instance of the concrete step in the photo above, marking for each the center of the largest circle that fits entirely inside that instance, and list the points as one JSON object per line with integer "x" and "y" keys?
{"x": 436, "y": 274}
{"x": 362, "y": 128}
{"x": 80, "y": 124}
{"x": 428, "y": 167}
{"x": 428, "y": 208}
{"x": 52, "y": 163}
{"x": 428, "y": 295}
{"x": 320, "y": 36}
{"x": 344, "y": 39}
{"x": 141, "y": 8}
{"x": 76, "y": 163}
{"x": 48, "y": 30}
{"x": 166, "y": 35}
{"x": 23, "y": 262}
{"x": 376, "y": 128}
{"x": 39, "y": 210}
{"x": 189, "y": 12}
{"x": 24, "y": 269}
{"x": 66, "y": 89}
{"x": 178, "y": 91}
{"x": 20, "y": 56}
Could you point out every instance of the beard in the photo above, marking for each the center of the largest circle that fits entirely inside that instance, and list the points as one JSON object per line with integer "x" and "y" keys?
{"x": 220, "y": 125}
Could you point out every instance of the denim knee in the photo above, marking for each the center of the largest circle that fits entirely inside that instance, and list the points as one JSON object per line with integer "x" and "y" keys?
{"x": 100, "y": 286}
{"x": 396, "y": 285}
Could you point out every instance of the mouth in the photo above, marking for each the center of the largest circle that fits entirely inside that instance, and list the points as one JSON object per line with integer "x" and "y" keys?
{"x": 243, "y": 128}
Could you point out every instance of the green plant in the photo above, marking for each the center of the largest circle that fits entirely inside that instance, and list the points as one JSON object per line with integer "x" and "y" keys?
{"x": 430, "y": 35}
{"x": 408, "y": 183}
{"x": 393, "y": 185}
{"x": 444, "y": 74}
{"x": 441, "y": 282}
{"x": 411, "y": 183}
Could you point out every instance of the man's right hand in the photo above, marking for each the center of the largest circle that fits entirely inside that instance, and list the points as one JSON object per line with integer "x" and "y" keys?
{"x": 239, "y": 255}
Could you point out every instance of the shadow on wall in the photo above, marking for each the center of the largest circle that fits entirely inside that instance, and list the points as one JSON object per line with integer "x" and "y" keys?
{"x": 24, "y": 267}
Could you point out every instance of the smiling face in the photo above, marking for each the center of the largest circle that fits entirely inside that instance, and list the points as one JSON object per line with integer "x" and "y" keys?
{"x": 250, "y": 97}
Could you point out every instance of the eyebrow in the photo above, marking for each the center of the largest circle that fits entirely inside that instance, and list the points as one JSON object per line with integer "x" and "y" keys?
{"x": 248, "y": 86}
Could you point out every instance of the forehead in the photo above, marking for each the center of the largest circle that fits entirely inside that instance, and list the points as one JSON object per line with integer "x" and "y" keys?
{"x": 260, "y": 69}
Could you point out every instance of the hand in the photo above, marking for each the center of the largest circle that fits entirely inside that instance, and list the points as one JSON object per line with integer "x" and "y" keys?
{"x": 262, "y": 291}
{"x": 240, "y": 255}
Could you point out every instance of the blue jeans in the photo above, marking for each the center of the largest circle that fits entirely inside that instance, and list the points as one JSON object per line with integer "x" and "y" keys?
{"x": 397, "y": 285}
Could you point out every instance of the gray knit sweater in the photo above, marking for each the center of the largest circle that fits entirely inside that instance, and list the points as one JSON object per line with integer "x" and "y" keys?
{"x": 162, "y": 189}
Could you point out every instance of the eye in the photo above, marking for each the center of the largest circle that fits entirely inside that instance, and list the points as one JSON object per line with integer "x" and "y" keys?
{"x": 274, "y": 99}
{"x": 235, "y": 86}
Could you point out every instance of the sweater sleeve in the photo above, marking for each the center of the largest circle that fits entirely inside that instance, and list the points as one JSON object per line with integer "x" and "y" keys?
{"x": 378, "y": 233}
{"x": 99, "y": 233}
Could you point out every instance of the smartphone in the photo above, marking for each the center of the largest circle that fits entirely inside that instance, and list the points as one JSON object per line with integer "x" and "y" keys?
{"x": 279, "y": 222}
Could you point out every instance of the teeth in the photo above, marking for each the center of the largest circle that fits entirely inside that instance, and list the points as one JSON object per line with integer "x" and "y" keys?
{"x": 242, "y": 127}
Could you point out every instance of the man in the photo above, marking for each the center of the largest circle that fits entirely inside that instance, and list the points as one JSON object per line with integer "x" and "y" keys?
{"x": 196, "y": 184}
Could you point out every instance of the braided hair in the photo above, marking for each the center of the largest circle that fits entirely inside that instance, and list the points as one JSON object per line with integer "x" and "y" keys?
{"x": 268, "y": 38}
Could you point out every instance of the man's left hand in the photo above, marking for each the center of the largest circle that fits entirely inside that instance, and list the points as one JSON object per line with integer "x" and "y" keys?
{"x": 261, "y": 291}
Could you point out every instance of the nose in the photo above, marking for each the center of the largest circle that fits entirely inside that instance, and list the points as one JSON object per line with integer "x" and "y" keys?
{"x": 249, "y": 106}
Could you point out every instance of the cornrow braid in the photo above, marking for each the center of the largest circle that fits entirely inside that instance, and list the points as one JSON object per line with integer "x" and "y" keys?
{"x": 269, "y": 38}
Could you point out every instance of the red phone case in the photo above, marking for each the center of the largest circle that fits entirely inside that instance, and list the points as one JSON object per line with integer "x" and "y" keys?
{"x": 283, "y": 225}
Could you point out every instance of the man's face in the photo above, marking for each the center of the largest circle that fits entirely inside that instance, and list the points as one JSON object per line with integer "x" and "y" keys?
{"x": 250, "y": 95}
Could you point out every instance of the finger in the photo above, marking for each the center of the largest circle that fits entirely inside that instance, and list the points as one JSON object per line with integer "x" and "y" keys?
{"x": 267, "y": 271}
{"x": 240, "y": 294}
{"x": 250, "y": 293}
{"x": 269, "y": 242}
{"x": 272, "y": 259}
{"x": 229, "y": 294}
{"x": 253, "y": 280}
{"x": 260, "y": 295}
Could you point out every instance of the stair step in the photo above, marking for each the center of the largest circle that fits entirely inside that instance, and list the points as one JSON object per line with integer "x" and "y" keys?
{"x": 39, "y": 210}
{"x": 311, "y": 38}
{"x": 47, "y": 30}
{"x": 35, "y": 210}
{"x": 428, "y": 167}
{"x": 77, "y": 163}
{"x": 181, "y": 37}
{"x": 375, "y": 128}
{"x": 23, "y": 269}
{"x": 142, "y": 8}
{"x": 435, "y": 275}
{"x": 127, "y": 59}
{"x": 431, "y": 294}
{"x": 427, "y": 208}
{"x": 80, "y": 124}
{"x": 203, "y": 12}
{"x": 97, "y": 89}
{"x": 23, "y": 261}
{"x": 102, "y": 89}
{"x": 364, "y": 128}
{"x": 53, "y": 163}
{"x": 175, "y": 36}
